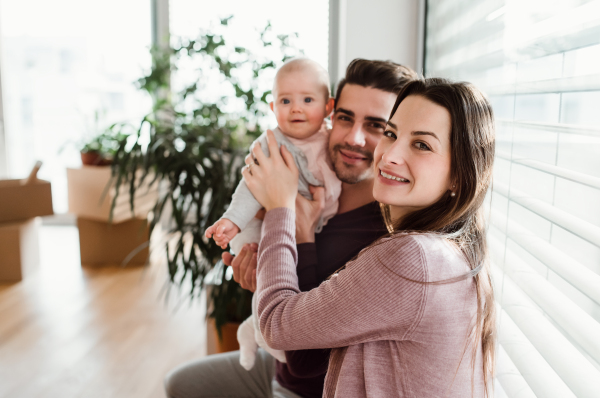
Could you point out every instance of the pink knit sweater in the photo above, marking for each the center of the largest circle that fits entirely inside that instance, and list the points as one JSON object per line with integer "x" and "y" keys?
{"x": 391, "y": 337}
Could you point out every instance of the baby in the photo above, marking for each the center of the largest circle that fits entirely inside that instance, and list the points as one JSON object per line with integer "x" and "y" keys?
{"x": 301, "y": 103}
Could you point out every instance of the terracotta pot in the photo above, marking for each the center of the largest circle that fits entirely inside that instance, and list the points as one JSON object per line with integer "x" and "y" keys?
{"x": 229, "y": 338}
{"x": 94, "y": 158}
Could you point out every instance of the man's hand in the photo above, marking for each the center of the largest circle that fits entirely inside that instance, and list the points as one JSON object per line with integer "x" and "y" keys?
{"x": 308, "y": 213}
{"x": 243, "y": 265}
{"x": 223, "y": 231}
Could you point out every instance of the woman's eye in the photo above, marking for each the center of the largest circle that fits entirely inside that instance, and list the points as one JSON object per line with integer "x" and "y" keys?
{"x": 389, "y": 134}
{"x": 308, "y": 100}
{"x": 422, "y": 146}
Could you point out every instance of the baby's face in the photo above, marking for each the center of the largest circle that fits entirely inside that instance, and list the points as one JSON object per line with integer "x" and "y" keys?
{"x": 300, "y": 104}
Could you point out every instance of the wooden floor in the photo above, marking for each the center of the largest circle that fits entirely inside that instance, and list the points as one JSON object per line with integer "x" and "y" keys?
{"x": 72, "y": 332}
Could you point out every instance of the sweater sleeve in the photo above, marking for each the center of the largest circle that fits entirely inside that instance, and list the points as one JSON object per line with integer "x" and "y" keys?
{"x": 372, "y": 299}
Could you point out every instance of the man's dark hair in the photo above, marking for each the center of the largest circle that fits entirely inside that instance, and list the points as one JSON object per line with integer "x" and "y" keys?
{"x": 383, "y": 75}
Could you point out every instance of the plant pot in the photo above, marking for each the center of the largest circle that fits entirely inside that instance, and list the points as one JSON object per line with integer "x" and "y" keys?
{"x": 228, "y": 341}
{"x": 94, "y": 158}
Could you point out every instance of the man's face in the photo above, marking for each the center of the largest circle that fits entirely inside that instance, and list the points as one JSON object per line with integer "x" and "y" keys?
{"x": 358, "y": 124}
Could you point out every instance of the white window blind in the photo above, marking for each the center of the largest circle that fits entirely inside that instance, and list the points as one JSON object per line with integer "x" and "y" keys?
{"x": 539, "y": 63}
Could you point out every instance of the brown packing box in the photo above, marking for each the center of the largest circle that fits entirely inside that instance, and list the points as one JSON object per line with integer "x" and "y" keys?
{"x": 21, "y": 202}
{"x": 101, "y": 243}
{"x": 87, "y": 197}
{"x": 19, "y": 252}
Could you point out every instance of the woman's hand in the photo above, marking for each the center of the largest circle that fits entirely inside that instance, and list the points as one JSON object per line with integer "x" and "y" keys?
{"x": 272, "y": 180}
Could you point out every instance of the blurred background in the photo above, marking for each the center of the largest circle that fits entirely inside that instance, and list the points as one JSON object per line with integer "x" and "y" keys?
{"x": 70, "y": 69}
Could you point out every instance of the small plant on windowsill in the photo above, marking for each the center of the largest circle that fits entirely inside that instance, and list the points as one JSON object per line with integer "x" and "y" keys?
{"x": 100, "y": 149}
{"x": 194, "y": 142}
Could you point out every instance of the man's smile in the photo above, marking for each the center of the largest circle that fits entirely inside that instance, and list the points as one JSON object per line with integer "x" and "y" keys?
{"x": 352, "y": 157}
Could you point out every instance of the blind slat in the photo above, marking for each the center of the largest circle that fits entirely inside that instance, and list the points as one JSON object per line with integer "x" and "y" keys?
{"x": 581, "y": 178}
{"x": 562, "y": 85}
{"x": 526, "y": 323}
{"x": 536, "y": 371}
{"x": 581, "y": 228}
{"x": 553, "y": 127}
{"x": 577, "y": 274}
{"x": 579, "y": 325}
{"x": 511, "y": 380}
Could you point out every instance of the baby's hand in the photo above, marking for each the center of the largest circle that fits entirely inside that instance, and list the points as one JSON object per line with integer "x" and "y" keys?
{"x": 223, "y": 231}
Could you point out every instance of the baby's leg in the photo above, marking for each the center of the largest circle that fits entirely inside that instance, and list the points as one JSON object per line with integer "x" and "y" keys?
{"x": 260, "y": 341}
{"x": 248, "y": 346}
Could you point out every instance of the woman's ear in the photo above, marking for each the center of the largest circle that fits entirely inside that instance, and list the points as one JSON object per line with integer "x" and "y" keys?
{"x": 329, "y": 106}
{"x": 271, "y": 105}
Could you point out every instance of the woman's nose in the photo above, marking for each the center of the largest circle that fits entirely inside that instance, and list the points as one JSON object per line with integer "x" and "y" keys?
{"x": 394, "y": 155}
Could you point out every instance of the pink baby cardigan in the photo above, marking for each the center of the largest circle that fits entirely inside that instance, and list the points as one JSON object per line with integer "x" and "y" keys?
{"x": 391, "y": 337}
{"x": 315, "y": 150}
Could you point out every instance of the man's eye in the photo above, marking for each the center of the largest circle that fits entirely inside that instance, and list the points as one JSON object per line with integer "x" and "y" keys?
{"x": 343, "y": 118}
{"x": 308, "y": 100}
{"x": 389, "y": 134}
{"x": 376, "y": 126}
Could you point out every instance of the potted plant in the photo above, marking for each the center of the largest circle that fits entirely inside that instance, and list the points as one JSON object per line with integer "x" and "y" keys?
{"x": 194, "y": 142}
{"x": 100, "y": 149}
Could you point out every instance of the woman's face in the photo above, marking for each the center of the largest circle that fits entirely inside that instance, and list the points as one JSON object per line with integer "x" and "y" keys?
{"x": 412, "y": 160}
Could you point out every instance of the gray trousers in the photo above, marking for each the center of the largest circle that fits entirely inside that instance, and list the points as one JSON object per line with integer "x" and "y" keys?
{"x": 221, "y": 375}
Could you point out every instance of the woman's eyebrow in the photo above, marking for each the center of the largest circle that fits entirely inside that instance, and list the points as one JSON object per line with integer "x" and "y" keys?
{"x": 426, "y": 133}
{"x": 393, "y": 125}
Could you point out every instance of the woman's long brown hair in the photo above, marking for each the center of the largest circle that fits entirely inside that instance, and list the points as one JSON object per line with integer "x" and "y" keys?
{"x": 460, "y": 218}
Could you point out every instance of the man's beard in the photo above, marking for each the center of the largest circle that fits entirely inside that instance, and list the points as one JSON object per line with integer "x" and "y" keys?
{"x": 349, "y": 173}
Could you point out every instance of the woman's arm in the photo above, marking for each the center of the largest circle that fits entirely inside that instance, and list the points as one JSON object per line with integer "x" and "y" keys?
{"x": 367, "y": 301}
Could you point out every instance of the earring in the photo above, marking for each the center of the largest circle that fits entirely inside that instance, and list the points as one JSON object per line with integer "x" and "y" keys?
{"x": 453, "y": 194}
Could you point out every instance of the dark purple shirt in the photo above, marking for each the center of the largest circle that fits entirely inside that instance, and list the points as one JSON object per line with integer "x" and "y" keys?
{"x": 340, "y": 240}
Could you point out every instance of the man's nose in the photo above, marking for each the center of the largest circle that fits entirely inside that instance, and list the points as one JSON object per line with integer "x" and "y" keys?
{"x": 356, "y": 136}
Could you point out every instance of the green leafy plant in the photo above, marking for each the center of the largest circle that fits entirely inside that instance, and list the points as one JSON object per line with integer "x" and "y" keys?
{"x": 210, "y": 103}
{"x": 105, "y": 143}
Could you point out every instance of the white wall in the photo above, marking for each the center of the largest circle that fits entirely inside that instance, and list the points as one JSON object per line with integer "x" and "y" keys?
{"x": 375, "y": 29}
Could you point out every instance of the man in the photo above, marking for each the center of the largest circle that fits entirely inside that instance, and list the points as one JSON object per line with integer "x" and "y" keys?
{"x": 364, "y": 100}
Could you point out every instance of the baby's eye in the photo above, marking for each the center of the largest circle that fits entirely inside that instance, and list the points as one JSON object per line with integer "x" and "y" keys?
{"x": 285, "y": 101}
{"x": 308, "y": 100}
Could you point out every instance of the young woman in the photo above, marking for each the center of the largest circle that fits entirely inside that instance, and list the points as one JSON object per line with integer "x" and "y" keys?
{"x": 413, "y": 314}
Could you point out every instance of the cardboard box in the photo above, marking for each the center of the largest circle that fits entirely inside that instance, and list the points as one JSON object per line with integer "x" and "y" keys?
{"x": 101, "y": 243}
{"x": 19, "y": 250}
{"x": 20, "y": 202}
{"x": 89, "y": 197}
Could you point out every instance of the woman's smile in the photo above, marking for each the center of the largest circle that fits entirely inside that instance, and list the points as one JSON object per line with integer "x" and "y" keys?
{"x": 392, "y": 177}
